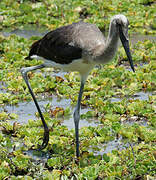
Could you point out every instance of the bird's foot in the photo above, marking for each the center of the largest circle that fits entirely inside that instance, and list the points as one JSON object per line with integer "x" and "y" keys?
{"x": 77, "y": 160}
{"x": 45, "y": 140}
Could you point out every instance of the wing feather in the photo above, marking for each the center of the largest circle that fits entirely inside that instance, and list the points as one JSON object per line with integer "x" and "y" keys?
{"x": 68, "y": 43}
{"x": 57, "y": 46}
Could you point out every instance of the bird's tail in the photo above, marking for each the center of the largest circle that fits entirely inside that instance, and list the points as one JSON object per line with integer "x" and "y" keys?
{"x": 28, "y": 58}
{"x": 33, "y": 50}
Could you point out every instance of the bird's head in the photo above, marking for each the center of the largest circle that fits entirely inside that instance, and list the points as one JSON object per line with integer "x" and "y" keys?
{"x": 121, "y": 23}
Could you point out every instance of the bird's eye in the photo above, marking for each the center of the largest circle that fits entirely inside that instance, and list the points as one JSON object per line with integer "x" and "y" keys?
{"x": 118, "y": 23}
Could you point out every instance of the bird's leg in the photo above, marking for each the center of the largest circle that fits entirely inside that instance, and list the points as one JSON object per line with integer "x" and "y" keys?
{"x": 24, "y": 72}
{"x": 77, "y": 117}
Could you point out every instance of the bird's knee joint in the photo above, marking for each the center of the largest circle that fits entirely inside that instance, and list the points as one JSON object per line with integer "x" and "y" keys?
{"x": 76, "y": 116}
{"x": 23, "y": 71}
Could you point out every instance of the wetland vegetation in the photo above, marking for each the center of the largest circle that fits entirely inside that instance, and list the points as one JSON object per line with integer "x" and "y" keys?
{"x": 118, "y": 117}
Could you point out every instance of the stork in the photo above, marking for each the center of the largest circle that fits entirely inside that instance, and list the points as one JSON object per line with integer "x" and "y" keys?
{"x": 77, "y": 47}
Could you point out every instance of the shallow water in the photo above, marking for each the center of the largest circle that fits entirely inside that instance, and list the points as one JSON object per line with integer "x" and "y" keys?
{"x": 27, "y": 110}
{"x": 37, "y": 155}
{"x": 23, "y": 108}
{"x": 28, "y": 32}
{"x": 137, "y": 120}
{"x": 140, "y": 96}
{"x": 56, "y": 72}
{"x": 83, "y": 122}
{"x": 134, "y": 38}
{"x": 108, "y": 147}
{"x": 2, "y": 87}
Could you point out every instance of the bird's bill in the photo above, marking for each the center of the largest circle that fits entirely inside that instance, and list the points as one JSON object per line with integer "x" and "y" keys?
{"x": 125, "y": 43}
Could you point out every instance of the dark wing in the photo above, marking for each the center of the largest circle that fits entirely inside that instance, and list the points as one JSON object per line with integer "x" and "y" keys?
{"x": 58, "y": 46}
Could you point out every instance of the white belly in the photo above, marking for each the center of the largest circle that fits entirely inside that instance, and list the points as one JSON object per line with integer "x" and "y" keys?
{"x": 79, "y": 65}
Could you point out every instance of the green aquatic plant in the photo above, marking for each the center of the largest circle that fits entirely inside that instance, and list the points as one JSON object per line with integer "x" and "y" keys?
{"x": 58, "y": 13}
{"x": 118, "y": 121}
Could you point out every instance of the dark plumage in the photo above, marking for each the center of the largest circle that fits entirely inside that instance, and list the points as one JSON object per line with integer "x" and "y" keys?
{"x": 57, "y": 46}
{"x": 65, "y": 44}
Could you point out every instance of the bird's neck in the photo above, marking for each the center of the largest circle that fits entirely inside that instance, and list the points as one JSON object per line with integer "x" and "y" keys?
{"x": 110, "y": 46}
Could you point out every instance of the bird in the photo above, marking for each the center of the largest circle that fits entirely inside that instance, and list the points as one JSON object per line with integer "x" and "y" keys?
{"x": 79, "y": 46}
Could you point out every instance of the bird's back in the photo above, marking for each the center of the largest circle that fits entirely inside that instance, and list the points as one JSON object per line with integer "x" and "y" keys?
{"x": 68, "y": 43}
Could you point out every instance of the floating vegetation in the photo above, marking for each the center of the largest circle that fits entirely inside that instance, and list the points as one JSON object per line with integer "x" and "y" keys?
{"x": 54, "y": 14}
{"x": 118, "y": 120}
